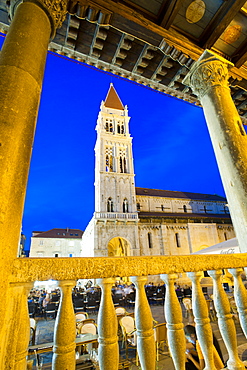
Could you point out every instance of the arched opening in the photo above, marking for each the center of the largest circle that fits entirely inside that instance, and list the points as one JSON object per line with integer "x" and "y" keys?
{"x": 118, "y": 247}
{"x": 109, "y": 205}
{"x": 125, "y": 206}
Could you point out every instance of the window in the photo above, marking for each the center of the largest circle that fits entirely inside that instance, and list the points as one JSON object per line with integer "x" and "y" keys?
{"x": 70, "y": 254}
{"x": 225, "y": 235}
{"x": 185, "y": 208}
{"x": 41, "y": 242}
{"x": 118, "y": 129}
{"x": 125, "y": 206}
{"x": 125, "y": 167}
{"x": 56, "y": 255}
{"x": 178, "y": 240}
{"x": 109, "y": 205}
{"x": 150, "y": 243}
{"x": 205, "y": 209}
{"x": 122, "y": 129}
{"x": 162, "y": 207}
{"x": 138, "y": 206}
{"x": 111, "y": 126}
{"x": 107, "y": 125}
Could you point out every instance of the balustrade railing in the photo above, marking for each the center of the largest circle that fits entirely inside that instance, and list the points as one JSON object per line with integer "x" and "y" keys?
{"x": 67, "y": 270}
{"x": 115, "y": 215}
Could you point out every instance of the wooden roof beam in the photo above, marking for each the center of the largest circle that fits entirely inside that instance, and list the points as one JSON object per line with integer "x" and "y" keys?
{"x": 240, "y": 56}
{"x": 169, "y": 13}
{"x": 221, "y": 22}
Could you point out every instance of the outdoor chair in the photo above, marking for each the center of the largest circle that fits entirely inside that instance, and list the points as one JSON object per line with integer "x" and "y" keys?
{"x": 127, "y": 324}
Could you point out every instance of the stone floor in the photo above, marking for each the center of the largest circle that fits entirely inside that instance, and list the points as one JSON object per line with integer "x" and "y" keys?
{"x": 44, "y": 333}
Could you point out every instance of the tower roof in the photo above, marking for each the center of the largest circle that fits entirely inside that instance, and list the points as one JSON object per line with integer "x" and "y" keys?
{"x": 112, "y": 99}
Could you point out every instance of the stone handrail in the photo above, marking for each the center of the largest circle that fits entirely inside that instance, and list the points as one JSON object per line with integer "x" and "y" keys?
{"x": 32, "y": 269}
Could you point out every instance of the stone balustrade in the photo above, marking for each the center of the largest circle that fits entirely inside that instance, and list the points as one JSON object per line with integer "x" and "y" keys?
{"x": 115, "y": 216}
{"x": 67, "y": 270}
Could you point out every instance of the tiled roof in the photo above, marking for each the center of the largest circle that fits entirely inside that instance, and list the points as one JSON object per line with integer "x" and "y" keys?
{"x": 113, "y": 100}
{"x": 178, "y": 194}
{"x": 59, "y": 233}
{"x": 186, "y": 215}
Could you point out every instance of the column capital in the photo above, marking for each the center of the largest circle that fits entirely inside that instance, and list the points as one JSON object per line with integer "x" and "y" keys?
{"x": 55, "y": 10}
{"x": 209, "y": 71}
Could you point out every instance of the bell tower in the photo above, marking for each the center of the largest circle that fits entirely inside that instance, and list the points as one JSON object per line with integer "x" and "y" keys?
{"x": 113, "y": 230}
{"x": 114, "y": 172}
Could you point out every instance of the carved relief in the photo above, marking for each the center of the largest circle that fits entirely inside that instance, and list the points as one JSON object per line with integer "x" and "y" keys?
{"x": 207, "y": 75}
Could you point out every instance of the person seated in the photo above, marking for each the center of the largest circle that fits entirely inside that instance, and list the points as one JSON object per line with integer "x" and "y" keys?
{"x": 190, "y": 334}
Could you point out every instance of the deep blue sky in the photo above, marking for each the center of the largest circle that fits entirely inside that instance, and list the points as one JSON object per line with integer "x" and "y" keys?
{"x": 171, "y": 144}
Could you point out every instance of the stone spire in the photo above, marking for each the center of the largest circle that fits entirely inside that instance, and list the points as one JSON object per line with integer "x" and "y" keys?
{"x": 112, "y": 99}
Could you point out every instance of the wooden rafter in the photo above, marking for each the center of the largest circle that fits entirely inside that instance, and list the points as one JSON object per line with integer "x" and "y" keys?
{"x": 169, "y": 13}
{"x": 220, "y": 22}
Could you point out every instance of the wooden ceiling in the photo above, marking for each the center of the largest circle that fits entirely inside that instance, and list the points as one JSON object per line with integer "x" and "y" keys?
{"x": 155, "y": 42}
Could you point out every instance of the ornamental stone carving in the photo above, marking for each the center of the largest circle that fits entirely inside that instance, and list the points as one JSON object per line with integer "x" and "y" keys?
{"x": 209, "y": 71}
{"x": 55, "y": 9}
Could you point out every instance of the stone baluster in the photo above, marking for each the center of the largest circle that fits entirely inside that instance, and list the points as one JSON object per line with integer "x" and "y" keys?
{"x": 144, "y": 325}
{"x": 174, "y": 318}
{"x": 107, "y": 328}
{"x": 65, "y": 330}
{"x": 225, "y": 321}
{"x": 19, "y": 327}
{"x": 240, "y": 296}
{"x": 203, "y": 327}
{"x": 24, "y": 328}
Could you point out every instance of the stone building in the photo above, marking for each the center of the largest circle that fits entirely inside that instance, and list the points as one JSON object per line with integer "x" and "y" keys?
{"x": 56, "y": 243}
{"x": 131, "y": 221}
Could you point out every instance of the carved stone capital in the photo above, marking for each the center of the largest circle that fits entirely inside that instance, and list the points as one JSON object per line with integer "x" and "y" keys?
{"x": 209, "y": 71}
{"x": 55, "y": 10}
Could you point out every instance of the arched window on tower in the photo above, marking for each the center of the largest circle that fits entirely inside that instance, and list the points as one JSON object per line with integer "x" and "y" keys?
{"x": 185, "y": 208}
{"x": 178, "y": 240}
{"x": 150, "y": 242}
{"x": 124, "y": 166}
{"x": 111, "y": 127}
{"x": 107, "y": 125}
{"x": 121, "y": 164}
{"x": 122, "y": 129}
{"x": 109, "y": 163}
{"x": 118, "y": 129}
{"x": 125, "y": 206}
{"x": 109, "y": 205}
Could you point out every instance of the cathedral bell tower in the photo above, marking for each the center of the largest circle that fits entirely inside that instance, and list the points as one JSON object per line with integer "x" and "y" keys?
{"x": 113, "y": 230}
{"x": 114, "y": 173}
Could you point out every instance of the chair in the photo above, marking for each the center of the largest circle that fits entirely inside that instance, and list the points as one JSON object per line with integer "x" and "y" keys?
{"x": 80, "y": 316}
{"x": 79, "y": 305}
{"x": 160, "y": 337}
{"x": 50, "y": 310}
{"x": 158, "y": 298}
{"x": 31, "y": 309}
{"x": 32, "y": 331}
{"x": 88, "y": 328}
{"x": 120, "y": 310}
{"x": 127, "y": 324}
{"x": 91, "y": 305}
{"x": 188, "y": 309}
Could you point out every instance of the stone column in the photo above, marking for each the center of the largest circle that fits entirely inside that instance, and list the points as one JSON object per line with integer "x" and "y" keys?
{"x": 208, "y": 79}
{"x": 22, "y": 63}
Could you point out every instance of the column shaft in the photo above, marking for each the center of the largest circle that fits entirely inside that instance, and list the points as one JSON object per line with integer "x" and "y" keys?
{"x": 209, "y": 80}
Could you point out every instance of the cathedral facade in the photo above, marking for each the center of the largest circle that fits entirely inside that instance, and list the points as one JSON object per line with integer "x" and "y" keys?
{"x": 131, "y": 221}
